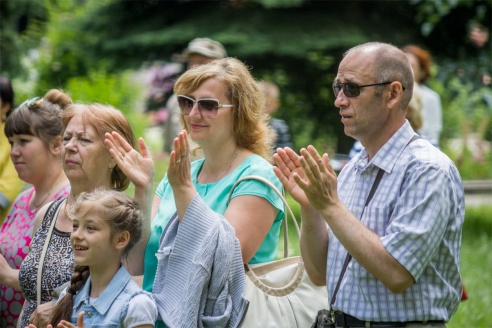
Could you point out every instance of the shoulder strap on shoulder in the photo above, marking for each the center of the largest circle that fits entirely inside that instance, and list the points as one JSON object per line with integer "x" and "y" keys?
{"x": 51, "y": 213}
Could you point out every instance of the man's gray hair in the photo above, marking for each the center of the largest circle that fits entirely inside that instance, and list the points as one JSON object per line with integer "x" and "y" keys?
{"x": 390, "y": 64}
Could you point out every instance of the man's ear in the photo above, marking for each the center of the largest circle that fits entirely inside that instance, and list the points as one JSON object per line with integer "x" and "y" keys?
{"x": 395, "y": 94}
{"x": 122, "y": 239}
{"x": 55, "y": 146}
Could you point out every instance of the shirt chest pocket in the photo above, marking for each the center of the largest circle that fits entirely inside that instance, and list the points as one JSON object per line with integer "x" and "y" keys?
{"x": 376, "y": 219}
{"x": 93, "y": 319}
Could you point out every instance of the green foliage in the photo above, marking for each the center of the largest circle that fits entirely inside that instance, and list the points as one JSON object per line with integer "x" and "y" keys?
{"x": 465, "y": 107}
{"x": 297, "y": 43}
{"x": 22, "y": 25}
{"x": 99, "y": 86}
{"x": 63, "y": 54}
{"x": 467, "y": 120}
{"x": 478, "y": 221}
{"x": 469, "y": 166}
{"x": 304, "y": 53}
{"x": 431, "y": 12}
{"x": 116, "y": 90}
{"x": 280, "y": 3}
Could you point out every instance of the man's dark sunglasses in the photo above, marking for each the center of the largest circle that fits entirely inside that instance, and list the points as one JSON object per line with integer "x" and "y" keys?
{"x": 351, "y": 89}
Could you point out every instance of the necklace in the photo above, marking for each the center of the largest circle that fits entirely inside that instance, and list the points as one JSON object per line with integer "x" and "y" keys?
{"x": 36, "y": 206}
{"x": 200, "y": 175}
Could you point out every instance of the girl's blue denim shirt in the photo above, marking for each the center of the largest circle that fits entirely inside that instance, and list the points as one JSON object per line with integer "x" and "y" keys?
{"x": 110, "y": 308}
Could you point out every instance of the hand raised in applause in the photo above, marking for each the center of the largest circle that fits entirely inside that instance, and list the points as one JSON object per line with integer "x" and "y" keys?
{"x": 179, "y": 175}
{"x": 138, "y": 167}
{"x": 309, "y": 177}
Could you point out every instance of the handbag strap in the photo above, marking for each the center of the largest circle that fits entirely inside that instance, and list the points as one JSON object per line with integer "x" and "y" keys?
{"x": 286, "y": 204}
{"x": 375, "y": 185}
{"x": 43, "y": 252}
{"x": 299, "y": 271}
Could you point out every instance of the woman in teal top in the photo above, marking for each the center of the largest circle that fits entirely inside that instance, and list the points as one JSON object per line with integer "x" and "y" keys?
{"x": 221, "y": 111}
{"x": 215, "y": 195}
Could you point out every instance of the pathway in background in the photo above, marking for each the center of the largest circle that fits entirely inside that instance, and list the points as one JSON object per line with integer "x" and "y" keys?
{"x": 478, "y": 192}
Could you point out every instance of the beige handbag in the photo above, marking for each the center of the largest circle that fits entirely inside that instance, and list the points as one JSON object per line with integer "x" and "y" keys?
{"x": 280, "y": 293}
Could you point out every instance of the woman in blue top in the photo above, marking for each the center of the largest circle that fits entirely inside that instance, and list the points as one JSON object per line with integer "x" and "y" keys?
{"x": 221, "y": 110}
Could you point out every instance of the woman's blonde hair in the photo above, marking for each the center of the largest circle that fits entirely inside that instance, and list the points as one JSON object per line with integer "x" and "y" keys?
{"x": 103, "y": 118}
{"x": 250, "y": 123}
{"x": 414, "y": 110}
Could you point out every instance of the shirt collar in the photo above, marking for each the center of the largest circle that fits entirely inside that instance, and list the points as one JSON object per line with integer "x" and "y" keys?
{"x": 104, "y": 301}
{"x": 386, "y": 157}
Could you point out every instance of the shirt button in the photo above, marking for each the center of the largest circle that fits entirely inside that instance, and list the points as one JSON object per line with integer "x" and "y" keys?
{"x": 89, "y": 314}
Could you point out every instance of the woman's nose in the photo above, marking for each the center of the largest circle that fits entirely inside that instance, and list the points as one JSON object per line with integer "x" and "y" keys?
{"x": 70, "y": 144}
{"x": 194, "y": 110}
{"x": 14, "y": 150}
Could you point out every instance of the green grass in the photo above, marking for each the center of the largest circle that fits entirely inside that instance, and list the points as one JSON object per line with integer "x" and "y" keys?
{"x": 476, "y": 266}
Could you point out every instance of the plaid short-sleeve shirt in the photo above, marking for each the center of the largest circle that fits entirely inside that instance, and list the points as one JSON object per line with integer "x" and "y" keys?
{"x": 418, "y": 212}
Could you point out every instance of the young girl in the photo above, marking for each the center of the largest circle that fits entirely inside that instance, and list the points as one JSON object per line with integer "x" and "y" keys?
{"x": 106, "y": 224}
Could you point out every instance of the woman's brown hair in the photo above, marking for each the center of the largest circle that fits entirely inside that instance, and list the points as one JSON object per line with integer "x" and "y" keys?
{"x": 39, "y": 117}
